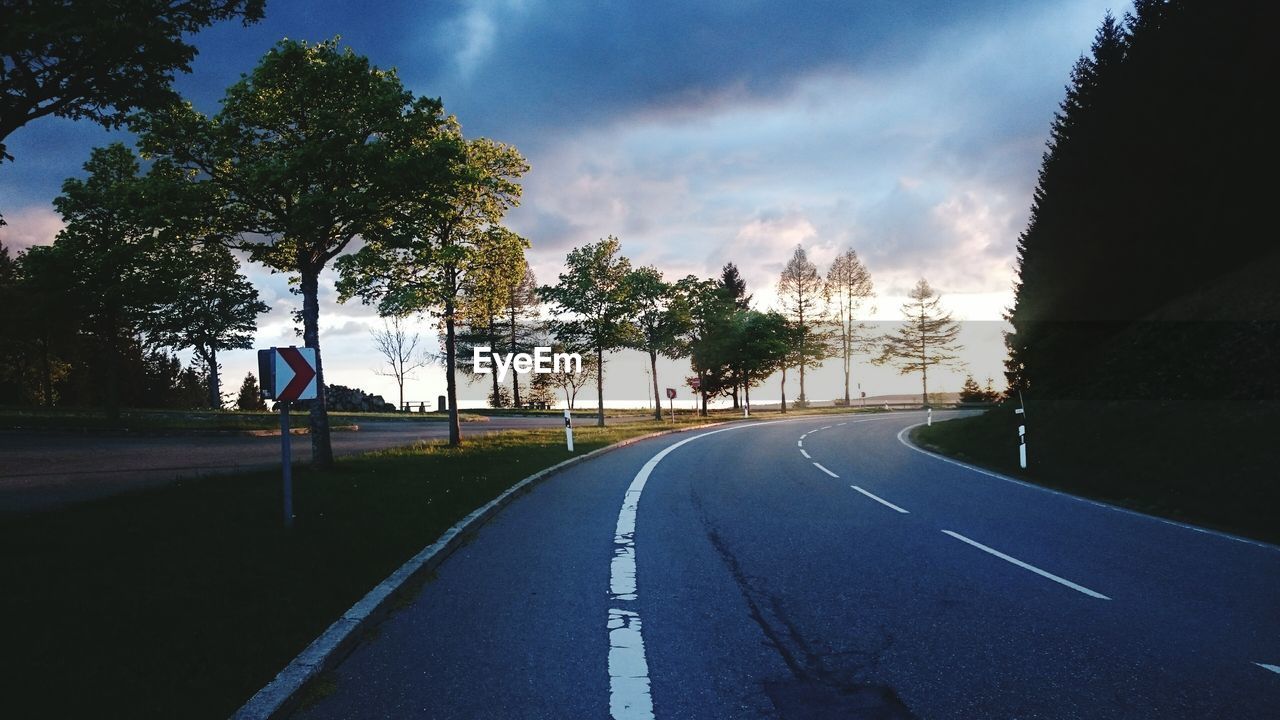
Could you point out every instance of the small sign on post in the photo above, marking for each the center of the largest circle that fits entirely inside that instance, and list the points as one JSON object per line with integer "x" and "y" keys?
{"x": 288, "y": 374}
{"x": 671, "y": 402}
{"x": 568, "y": 429}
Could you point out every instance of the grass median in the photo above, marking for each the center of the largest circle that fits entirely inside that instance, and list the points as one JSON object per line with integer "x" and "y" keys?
{"x": 1209, "y": 464}
{"x": 182, "y": 601}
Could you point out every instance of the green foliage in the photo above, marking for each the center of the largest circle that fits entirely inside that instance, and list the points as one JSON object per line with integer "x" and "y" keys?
{"x": 1148, "y": 195}
{"x": 593, "y": 300}
{"x": 311, "y": 149}
{"x": 250, "y": 397}
{"x": 98, "y": 59}
{"x": 440, "y": 234}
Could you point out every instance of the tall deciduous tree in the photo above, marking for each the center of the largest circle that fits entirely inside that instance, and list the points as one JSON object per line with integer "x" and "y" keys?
{"x": 710, "y": 338}
{"x": 660, "y": 322}
{"x": 800, "y": 292}
{"x": 100, "y": 259}
{"x": 489, "y": 306}
{"x": 98, "y": 59}
{"x": 311, "y": 149}
{"x": 927, "y": 337}
{"x": 207, "y": 306}
{"x": 594, "y": 294}
{"x": 421, "y": 261}
{"x": 847, "y": 287}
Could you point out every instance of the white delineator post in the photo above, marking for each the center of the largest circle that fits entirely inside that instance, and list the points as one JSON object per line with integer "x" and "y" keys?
{"x": 568, "y": 430}
{"x": 929, "y": 422}
{"x": 1022, "y": 441}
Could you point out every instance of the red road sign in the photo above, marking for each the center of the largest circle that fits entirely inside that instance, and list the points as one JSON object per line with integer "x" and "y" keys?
{"x": 671, "y": 393}
{"x": 695, "y": 383}
{"x": 295, "y": 373}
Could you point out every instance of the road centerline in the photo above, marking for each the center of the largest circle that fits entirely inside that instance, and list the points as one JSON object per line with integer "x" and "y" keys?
{"x": 1027, "y": 566}
{"x": 1272, "y": 668}
{"x": 880, "y": 500}
{"x": 805, "y": 453}
{"x": 823, "y": 469}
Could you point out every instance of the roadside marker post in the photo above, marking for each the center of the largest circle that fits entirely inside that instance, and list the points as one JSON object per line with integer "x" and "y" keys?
{"x": 1022, "y": 446}
{"x": 929, "y": 422}
{"x": 287, "y": 374}
{"x": 1022, "y": 432}
{"x": 568, "y": 429}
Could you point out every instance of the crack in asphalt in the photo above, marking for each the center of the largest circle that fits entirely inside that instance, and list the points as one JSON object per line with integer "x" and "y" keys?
{"x": 814, "y": 690}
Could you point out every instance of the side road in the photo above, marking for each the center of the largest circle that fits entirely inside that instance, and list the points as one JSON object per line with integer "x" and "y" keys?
{"x": 41, "y": 470}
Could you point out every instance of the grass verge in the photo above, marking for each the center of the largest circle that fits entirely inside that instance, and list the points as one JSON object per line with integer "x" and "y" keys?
{"x": 1205, "y": 464}
{"x": 182, "y": 601}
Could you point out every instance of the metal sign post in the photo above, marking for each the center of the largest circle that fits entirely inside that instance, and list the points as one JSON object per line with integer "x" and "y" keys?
{"x": 671, "y": 402}
{"x": 288, "y": 374}
{"x": 286, "y": 462}
{"x": 568, "y": 429}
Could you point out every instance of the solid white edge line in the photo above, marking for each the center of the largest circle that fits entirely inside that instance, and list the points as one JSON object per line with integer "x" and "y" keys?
{"x": 819, "y": 466}
{"x": 1096, "y": 503}
{"x": 1026, "y": 566}
{"x": 1272, "y": 668}
{"x": 630, "y": 697}
{"x": 806, "y": 454}
{"x": 880, "y": 500}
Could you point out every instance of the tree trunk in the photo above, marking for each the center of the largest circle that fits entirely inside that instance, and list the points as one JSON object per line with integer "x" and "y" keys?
{"x": 46, "y": 373}
{"x": 515, "y": 379}
{"x": 746, "y": 392}
{"x": 112, "y": 357}
{"x": 736, "y": 405}
{"x": 321, "y": 449}
{"x": 924, "y": 385}
{"x": 215, "y": 391}
{"x": 784, "y": 388}
{"x": 657, "y": 399}
{"x": 846, "y": 376}
{"x": 497, "y": 389}
{"x": 450, "y": 374}
{"x": 600, "y": 387}
{"x": 400, "y": 383}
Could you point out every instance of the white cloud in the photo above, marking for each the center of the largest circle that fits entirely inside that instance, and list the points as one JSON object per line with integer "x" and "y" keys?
{"x": 29, "y": 226}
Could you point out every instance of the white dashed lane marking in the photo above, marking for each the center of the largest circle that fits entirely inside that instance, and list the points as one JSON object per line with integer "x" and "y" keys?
{"x": 880, "y": 500}
{"x": 1026, "y": 566}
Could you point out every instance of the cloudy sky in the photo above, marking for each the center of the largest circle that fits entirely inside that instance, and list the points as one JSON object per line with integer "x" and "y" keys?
{"x": 698, "y": 133}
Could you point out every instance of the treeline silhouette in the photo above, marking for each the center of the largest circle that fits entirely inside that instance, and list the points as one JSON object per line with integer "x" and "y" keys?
{"x": 1152, "y": 192}
{"x": 1146, "y": 341}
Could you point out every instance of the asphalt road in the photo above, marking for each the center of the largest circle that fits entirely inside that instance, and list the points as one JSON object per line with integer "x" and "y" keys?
{"x": 44, "y": 469}
{"x": 757, "y": 582}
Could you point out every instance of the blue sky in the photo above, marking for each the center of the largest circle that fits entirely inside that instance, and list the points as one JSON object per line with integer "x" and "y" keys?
{"x": 698, "y": 133}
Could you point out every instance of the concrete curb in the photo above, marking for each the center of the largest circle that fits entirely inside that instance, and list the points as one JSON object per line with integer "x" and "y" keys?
{"x": 278, "y": 696}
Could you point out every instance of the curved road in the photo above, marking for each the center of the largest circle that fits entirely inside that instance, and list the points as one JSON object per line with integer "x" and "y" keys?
{"x": 44, "y": 469}
{"x": 822, "y": 568}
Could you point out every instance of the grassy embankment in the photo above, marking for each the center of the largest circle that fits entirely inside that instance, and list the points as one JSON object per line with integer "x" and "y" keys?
{"x": 1208, "y": 464}
{"x": 182, "y": 601}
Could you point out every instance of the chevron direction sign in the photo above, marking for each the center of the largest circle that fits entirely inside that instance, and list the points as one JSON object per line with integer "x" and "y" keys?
{"x": 288, "y": 373}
